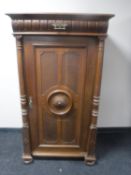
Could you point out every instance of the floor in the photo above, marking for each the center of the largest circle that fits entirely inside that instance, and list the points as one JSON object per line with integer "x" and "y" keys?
{"x": 113, "y": 157}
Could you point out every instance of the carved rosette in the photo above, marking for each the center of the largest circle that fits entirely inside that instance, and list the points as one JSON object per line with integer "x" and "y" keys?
{"x": 59, "y": 102}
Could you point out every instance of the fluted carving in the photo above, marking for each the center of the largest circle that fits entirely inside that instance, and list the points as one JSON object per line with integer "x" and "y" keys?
{"x": 47, "y": 25}
{"x": 89, "y": 24}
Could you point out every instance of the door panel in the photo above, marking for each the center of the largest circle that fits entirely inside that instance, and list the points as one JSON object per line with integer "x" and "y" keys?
{"x": 59, "y": 69}
{"x": 48, "y": 69}
{"x": 56, "y": 78}
{"x": 69, "y": 129}
{"x": 71, "y": 69}
{"x": 49, "y": 129}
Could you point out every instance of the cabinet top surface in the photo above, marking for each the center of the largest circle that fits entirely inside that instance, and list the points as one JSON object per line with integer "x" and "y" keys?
{"x": 72, "y": 16}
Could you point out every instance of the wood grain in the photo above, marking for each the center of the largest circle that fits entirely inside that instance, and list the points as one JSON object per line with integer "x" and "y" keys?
{"x": 60, "y": 60}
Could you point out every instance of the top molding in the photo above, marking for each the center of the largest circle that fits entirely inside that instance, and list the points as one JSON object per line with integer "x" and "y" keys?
{"x": 62, "y": 24}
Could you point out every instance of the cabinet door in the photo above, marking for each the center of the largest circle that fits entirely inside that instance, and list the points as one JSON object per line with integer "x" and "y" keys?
{"x": 55, "y": 76}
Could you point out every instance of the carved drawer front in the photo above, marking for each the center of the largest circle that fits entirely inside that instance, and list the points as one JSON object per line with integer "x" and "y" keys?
{"x": 60, "y": 24}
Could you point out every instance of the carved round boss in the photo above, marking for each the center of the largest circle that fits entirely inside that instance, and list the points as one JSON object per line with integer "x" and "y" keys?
{"x": 59, "y": 102}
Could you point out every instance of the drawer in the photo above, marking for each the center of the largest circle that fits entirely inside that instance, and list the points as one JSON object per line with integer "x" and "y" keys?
{"x": 43, "y": 25}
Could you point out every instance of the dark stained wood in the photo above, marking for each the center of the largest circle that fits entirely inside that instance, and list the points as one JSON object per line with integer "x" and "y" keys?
{"x": 60, "y": 60}
{"x": 58, "y": 16}
{"x": 24, "y": 102}
{"x": 56, "y": 24}
{"x": 91, "y": 142}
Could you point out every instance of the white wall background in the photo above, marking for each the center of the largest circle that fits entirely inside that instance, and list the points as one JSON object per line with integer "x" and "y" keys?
{"x": 115, "y": 105}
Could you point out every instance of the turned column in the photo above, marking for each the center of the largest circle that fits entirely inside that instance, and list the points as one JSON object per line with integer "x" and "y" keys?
{"x": 24, "y": 102}
{"x": 90, "y": 158}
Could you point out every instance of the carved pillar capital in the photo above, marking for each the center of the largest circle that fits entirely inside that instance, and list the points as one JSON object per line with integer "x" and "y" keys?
{"x": 18, "y": 42}
{"x": 101, "y": 38}
{"x": 18, "y": 37}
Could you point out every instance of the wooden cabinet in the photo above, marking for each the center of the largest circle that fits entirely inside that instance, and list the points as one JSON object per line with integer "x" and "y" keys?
{"x": 60, "y": 63}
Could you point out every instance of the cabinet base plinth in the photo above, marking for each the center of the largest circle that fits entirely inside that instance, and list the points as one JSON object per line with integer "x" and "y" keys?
{"x": 90, "y": 160}
{"x": 27, "y": 159}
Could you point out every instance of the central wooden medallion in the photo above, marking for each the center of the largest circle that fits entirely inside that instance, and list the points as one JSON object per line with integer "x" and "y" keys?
{"x": 59, "y": 102}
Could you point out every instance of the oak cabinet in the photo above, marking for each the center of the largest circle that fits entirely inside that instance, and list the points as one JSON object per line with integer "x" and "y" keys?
{"x": 60, "y": 63}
